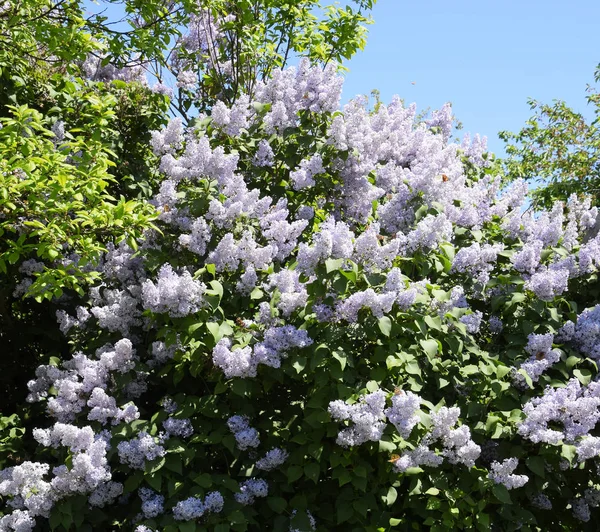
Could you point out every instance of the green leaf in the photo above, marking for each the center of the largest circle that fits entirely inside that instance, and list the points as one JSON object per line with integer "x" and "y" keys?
{"x": 390, "y": 497}
{"x": 430, "y": 346}
{"x": 294, "y": 473}
{"x": 277, "y": 504}
{"x": 501, "y": 493}
{"x": 385, "y": 325}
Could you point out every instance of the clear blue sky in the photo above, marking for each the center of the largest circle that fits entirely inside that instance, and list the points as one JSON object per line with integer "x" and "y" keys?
{"x": 486, "y": 57}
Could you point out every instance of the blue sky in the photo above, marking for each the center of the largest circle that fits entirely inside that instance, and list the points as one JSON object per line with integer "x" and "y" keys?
{"x": 486, "y": 57}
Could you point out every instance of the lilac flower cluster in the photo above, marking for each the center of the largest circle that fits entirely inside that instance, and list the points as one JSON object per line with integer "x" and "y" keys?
{"x": 276, "y": 343}
{"x": 273, "y": 459}
{"x": 573, "y": 407}
{"x": 179, "y": 295}
{"x": 181, "y": 428}
{"x": 502, "y": 473}
{"x": 246, "y": 437}
{"x": 403, "y": 412}
{"x": 250, "y": 490}
{"x": 152, "y": 503}
{"x": 137, "y": 451}
{"x": 193, "y": 508}
{"x": 367, "y": 418}
{"x": 303, "y": 177}
{"x": 539, "y": 346}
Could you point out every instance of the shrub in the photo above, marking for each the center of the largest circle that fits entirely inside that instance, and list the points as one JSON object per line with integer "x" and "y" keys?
{"x": 343, "y": 323}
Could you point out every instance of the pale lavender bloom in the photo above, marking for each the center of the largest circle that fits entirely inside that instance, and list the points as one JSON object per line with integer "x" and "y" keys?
{"x": 293, "y": 294}
{"x": 245, "y": 436}
{"x": 105, "y": 494}
{"x": 213, "y": 502}
{"x": 581, "y": 510}
{"x": 152, "y": 503}
{"x": 547, "y": 284}
{"x": 303, "y": 176}
{"x": 190, "y": 509}
{"x": 541, "y": 501}
{"x": 179, "y": 295}
{"x": 274, "y": 458}
{"x": 402, "y": 413}
{"x": 472, "y": 321}
{"x": 199, "y": 237}
{"x": 495, "y": 324}
{"x": 587, "y": 448}
{"x": 502, "y": 473}
{"x": 161, "y": 88}
{"x": 251, "y": 489}
{"x": 585, "y": 334}
{"x": 234, "y": 363}
{"x": 379, "y": 304}
{"x": 138, "y": 450}
{"x": 477, "y": 260}
{"x": 366, "y": 416}
{"x": 573, "y": 407}
{"x": 264, "y": 154}
{"x": 537, "y": 364}
{"x": 528, "y": 259}
{"x": 178, "y": 427}
{"x": 429, "y": 232}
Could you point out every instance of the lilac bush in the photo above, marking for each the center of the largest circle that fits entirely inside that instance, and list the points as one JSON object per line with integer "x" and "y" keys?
{"x": 341, "y": 322}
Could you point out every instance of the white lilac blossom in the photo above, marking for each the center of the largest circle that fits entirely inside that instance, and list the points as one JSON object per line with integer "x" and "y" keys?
{"x": 403, "y": 412}
{"x": 419, "y": 456}
{"x": 105, "y": 494}
{"x": 273, "y": 459}
{"x": 367, "y": 418}
{"x": 179, "y": 295}
{"x": 303, "y": 176}
{"x": 137, "y": 451}
{"x": 502, "y": 473}
{"x": 245, "y": 436}
{"x": 548, "y": 283}
{"x": 585, "y": 333}
{"x": 472, "y": 321}
{"x": 189, "y": 509}
{"x": 575, "y": 409}
{"x": 250, "y": 490}
{"x": 152, "y": 503}
{"x": 181, "y": 428}
{"x": 458, "y": 447}
{"x": 477, "y": 260}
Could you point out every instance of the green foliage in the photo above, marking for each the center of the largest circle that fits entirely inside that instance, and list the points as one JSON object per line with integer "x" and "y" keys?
{"x": 54, "y": 203}
{"x": 559, "y": 149}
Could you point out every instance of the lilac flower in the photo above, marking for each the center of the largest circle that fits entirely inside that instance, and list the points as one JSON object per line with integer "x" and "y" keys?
{"x": 402, "y": 413}
{"x": 138, "y": 450}
{"x": 178, "y": 427}
{"x": 502, "y": 473}
{"x": 273, "y": 459}
{"x": 179, "y": 295}
{"x": 250, "y": 490}
{"x": 366, "y": 416}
